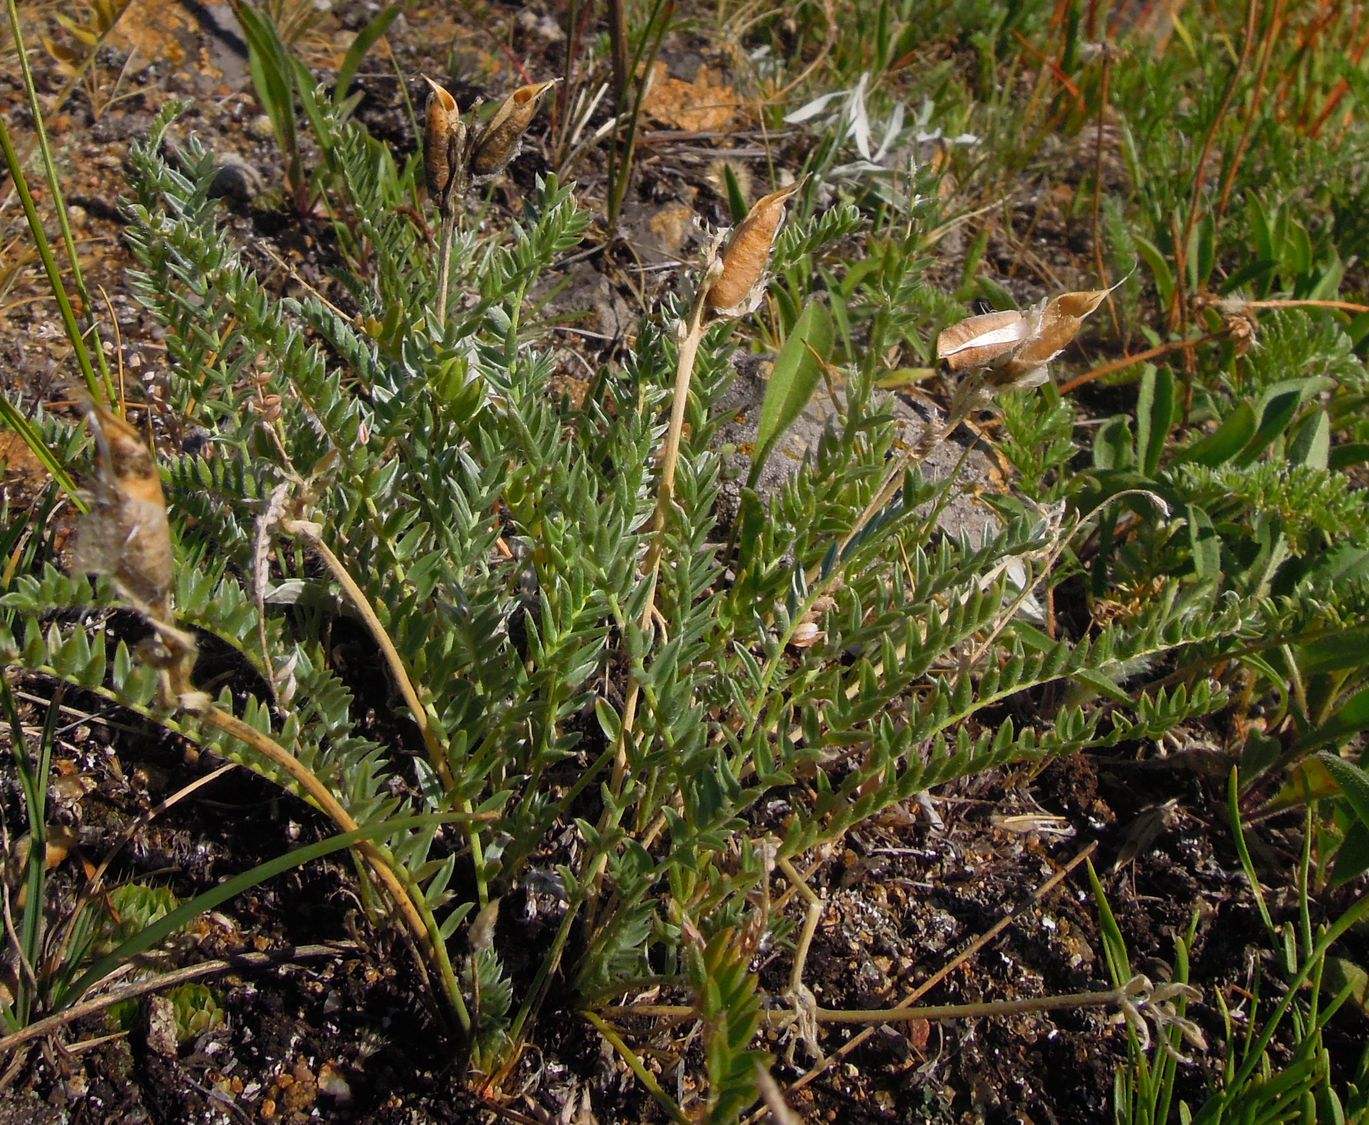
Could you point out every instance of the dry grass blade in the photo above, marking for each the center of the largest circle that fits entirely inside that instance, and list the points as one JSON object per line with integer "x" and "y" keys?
{"x": 57, "y": 1021}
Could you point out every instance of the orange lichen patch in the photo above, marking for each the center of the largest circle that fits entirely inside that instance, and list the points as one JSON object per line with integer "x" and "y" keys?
{"x": 706, "y": 105}
{"x": 155, "y": 29}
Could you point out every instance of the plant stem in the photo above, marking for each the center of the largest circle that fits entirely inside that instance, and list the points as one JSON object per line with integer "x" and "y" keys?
{"x": 691, "y": 332}
{"x": 310, "y": 533}
{"x": 437, "y": 756}
{"x": 420, "y": 921}
{"x": 782, "y": 1017}
{"x": 444, "y": 264}
{"x": 647, "y": 1079}
{"x": 1132, "y": 360}
{"x": 235, "y": 962}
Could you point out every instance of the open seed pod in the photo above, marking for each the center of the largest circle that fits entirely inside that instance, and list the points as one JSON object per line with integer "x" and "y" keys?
{"x": 1058, "y": 321}
{"x": 1016, "y": 346}
{"x": 737, "y": 288}
{"x": 125, "y": 534}
{"x": 498, "y": 142}
{"x": 444, "y": 142}
{"x": 981, "y": 339}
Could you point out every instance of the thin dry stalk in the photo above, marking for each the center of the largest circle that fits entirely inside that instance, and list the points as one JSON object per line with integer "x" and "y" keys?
{"x": 238, "y": 961}
{"x": 941, "y": 974}
{"x": 426, "y": 936}
{"x": 1126, "y": 361}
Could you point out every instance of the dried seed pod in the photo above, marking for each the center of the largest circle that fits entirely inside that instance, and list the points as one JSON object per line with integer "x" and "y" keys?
{"x": 746, "y": 255}
{"x": 1016, "y": 346}
{"x": 498, "y": 142}
{"x": 1058, "y": 321}
{"x": 444, "y": 138}
{"x": 1241, "y": 329}
{"x": 125, "y": 534}
{"x": 981, "y": 339}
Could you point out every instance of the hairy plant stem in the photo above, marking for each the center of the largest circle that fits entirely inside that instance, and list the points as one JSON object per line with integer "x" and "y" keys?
{"x": 444, "y": 263}
{"x": 690, "y": 333}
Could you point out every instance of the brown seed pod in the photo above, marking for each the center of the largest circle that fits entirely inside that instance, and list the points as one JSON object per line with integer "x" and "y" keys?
{"x": 125, "y": 534}
{"x": 981, "y": 339}
{"x": 498, "y": 142}
{"x": 1058, "y": 321}
{"x": 747, "y": 253}
{"x": 444, "y": 136}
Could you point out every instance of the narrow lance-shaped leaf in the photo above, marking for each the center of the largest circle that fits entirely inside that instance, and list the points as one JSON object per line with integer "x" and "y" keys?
{"x": 796, "y": 373}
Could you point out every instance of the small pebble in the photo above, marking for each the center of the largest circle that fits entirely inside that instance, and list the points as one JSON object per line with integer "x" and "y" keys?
{"x": 332, "y": 1084}
{"x": 260, "y": 127}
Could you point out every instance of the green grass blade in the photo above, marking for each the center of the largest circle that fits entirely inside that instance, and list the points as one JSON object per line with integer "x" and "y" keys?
{"x": 29, "y": 435}
{"x": 361, "y": 46}
{"x": 196, "y": 906}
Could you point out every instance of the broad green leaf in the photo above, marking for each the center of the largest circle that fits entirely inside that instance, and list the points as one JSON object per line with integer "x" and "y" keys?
{"x": 1353, "y": 781}
{"x": 1204, "y": 543}
{"x": 1154, "y": 416}
{"x": 792, "y": 382}
{"x": 1276, "y": 410}
{"x": 1346, "y": 649}
{"x": 1352, "y": 857}
{"x": 1307, "y": 781}
{"x": 1311, "y": 442}
{"x": 1158, "y": 265}
{"x": 1113, "y": 447}
{"x": 1351, "y": 453}
{"x": 1340, "y": 974}
{"x": 1225, "y": 442}
{"x": 736, "y": 198}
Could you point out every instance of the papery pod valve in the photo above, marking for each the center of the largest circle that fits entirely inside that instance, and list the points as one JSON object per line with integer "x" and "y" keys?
{"x": 737, "y": 288}
{"x": 444, "y": 145}
{"x": 125, "y": 534}
{"x": 498, "y": 142}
